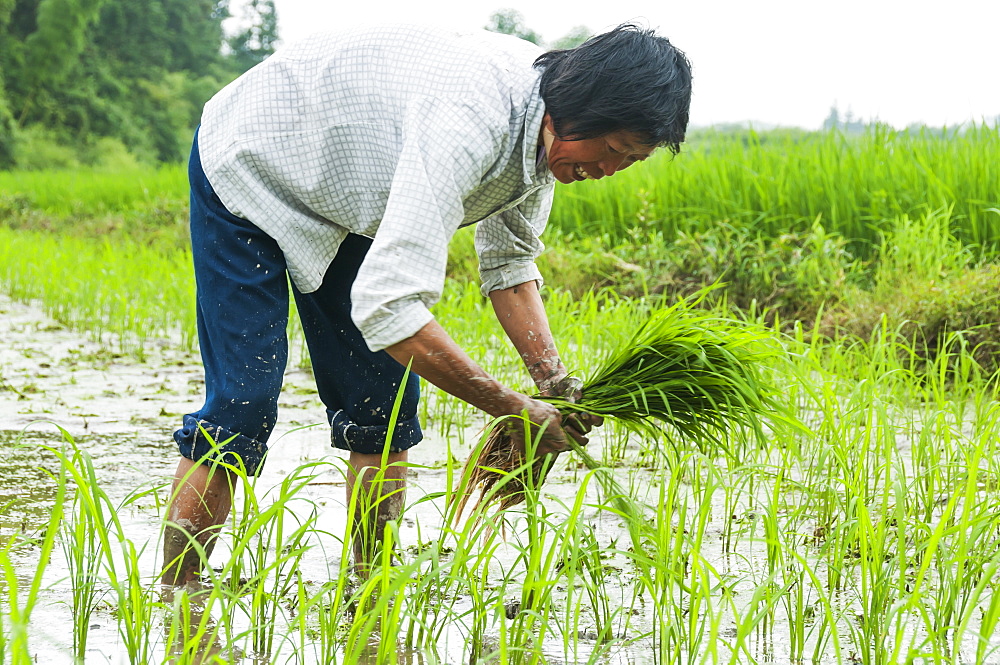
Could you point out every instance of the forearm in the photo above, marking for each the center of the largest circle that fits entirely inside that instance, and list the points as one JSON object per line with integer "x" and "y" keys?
{"x": 522, "y": 315}
{"x": 435, "y": 356}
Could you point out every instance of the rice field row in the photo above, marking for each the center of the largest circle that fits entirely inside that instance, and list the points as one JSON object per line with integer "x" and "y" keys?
{"x": 778, "y": 182}
{"x": 864, "y": 528}
{"x": 772, "y": 182}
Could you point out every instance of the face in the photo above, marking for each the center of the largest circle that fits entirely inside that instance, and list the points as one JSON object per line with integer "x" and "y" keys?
{"x": 592, "y": 159}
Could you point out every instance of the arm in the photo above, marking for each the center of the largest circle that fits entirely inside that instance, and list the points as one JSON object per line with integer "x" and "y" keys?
{"x": 522, "y": 316}
{"x": 433, "y": 355}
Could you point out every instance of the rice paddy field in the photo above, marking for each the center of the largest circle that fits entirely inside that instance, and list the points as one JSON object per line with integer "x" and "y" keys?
{"x": 860, "y": 523}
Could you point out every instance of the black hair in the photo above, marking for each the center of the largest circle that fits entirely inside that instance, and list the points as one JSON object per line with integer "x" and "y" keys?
{"x": 627, "y": 79}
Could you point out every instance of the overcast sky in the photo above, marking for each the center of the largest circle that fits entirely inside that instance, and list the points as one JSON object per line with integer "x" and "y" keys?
{"x": 783, "y": 62}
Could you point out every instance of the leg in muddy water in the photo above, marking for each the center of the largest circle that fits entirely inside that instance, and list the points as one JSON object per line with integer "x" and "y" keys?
{"x": 191, "y": 635}
{"x": 381, "y": 498}
{"x": 200, "y": 501}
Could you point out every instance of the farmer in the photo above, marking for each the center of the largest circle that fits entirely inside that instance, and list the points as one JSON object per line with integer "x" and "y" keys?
{"x": 346, "y": 162}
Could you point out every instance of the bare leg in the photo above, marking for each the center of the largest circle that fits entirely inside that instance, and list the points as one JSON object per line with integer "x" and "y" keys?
{"x": 198, "y": 505}
{"x": 379, "y": 501}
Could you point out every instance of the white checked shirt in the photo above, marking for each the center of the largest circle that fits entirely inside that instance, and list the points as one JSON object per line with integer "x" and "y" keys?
{"x": 399, "y": 133}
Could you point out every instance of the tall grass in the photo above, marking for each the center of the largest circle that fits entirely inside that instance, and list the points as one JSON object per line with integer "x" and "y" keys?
{"x": 779, "y": 183}
{"x": 85, "y": 192}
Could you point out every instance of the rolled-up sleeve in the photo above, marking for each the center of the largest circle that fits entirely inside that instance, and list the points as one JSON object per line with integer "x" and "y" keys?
{"x": 446, "y": 150}
{"x": 508, "y": 243}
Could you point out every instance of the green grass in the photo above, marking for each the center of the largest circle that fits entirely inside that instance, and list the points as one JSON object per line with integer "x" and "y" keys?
{"x": 781, "y": 183}
{"x": 92, "y": 193}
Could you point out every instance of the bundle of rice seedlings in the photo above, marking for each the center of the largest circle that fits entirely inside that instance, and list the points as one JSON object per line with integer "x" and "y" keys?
{"x": 684, "y": 370}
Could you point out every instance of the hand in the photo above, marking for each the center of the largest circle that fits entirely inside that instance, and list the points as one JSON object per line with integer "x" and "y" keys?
{"x": 577, "y": 425}
{"x": 552, "y": 440}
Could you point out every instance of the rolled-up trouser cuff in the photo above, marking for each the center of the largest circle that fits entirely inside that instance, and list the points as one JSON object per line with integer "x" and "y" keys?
{"x": 346, "y": 434}
{"x": 219, "y": 446}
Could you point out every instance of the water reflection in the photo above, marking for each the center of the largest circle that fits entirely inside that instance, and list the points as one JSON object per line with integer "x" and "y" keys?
{"x": 27, "y": 490}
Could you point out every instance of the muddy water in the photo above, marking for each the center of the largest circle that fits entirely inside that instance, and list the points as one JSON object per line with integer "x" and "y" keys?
{"x": 122, "y": 412}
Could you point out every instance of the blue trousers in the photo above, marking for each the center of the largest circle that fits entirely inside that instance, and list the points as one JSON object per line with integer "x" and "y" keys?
{"x": 242, "y": 309}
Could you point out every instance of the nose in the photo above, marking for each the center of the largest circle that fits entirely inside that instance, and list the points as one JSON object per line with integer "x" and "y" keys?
{"x": 613, "y": 164}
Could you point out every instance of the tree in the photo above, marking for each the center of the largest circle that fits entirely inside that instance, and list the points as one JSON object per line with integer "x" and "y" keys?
{"x": 85, "y": 73}
{"x": 260, "y": 36}
{"x": 60, "y": 37}
{"x": 510, "y": 22}
{"x": 6, "y": 117}
{"x": 833, "y": 120}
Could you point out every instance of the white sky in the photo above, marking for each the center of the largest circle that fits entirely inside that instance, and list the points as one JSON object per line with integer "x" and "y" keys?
{"x": 782, "y": 62}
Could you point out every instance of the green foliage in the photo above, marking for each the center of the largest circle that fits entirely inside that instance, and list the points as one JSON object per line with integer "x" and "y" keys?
{"x": 792, "y": 275}
{"x": 511, "y": 22}
{"x": 81, "y": 71}
{"x": 110, "y": 155}
{"x": 573, "y": 38}
{"x": 59, "y": 38}
{"x": 928, "y": 286}
{"x": 7, "y": 127}
{"x": 39, "y": 148}
{"x": 259, "y": 37}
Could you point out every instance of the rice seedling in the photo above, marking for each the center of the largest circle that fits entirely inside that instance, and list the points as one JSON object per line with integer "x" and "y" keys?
{"x": 92, "y": 192}
{"x": 22, "y": 595}
{"x": 691, "y": 371}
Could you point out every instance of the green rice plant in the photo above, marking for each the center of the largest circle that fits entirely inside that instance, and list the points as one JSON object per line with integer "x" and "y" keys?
{"x": 21, "y": 599}
{"x": 88, "y": 537}
{"x": 83, "y": 549}
{"x": 266, "y": 552}
{"x": 692, "y": 371}
{"x": 781, "y": 183}
{"x": 116, "y": 293}
{"x": 191, "y": 633}
{"x": 686, "y": 619}
{"x": 90, "y": 192}
{"x": 589, "y": 560}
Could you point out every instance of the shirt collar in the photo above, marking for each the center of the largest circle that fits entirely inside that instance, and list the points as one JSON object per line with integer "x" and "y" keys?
{"x": 535, "y": 111}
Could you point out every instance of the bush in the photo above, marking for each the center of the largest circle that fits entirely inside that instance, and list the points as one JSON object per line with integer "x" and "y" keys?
{"x": 792, "y": 276}
{"x": 37, "y": 148}
{"x": 928, "y": 286}
{"x": 110, "y": 154}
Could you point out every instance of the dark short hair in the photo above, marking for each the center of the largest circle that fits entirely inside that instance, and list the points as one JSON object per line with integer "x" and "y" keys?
{"x": 627, "y": 79}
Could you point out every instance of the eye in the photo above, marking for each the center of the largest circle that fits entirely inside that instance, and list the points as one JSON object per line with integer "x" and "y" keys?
{"x": 612, "y": 149}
